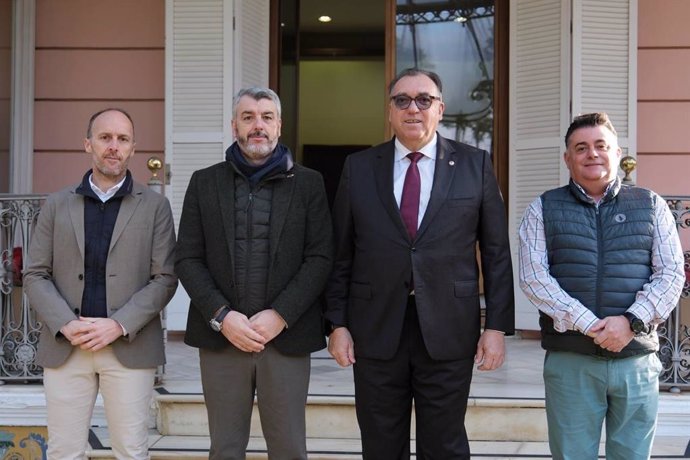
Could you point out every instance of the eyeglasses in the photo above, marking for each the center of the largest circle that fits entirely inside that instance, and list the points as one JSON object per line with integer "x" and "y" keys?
{"x": 423, "y": 101}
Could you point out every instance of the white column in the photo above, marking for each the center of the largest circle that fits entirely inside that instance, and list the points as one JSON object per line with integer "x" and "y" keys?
{"x": 22, "y": 131}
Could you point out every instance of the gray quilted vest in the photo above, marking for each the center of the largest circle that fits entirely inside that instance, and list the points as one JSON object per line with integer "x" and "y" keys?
{"x": 600, "y": 255}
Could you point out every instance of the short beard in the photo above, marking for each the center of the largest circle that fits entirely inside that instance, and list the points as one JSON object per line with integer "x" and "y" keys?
{"x": 257, "y": 154}
{"x": 112, "y": 173}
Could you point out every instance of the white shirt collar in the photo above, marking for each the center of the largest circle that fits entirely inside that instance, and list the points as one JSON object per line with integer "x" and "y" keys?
{"x": 108, "y": 194}
{"x": 429, "y": 150}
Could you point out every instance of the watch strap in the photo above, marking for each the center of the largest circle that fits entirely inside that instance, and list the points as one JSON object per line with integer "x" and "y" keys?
{"x": 216, "y": 322}
{"x": 224, "y": 310}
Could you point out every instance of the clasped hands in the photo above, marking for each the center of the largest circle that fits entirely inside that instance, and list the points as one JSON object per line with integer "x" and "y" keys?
{"x": 252, "y": 334}
{"x": 92, "y": 334}
{"x": 612, "y": 333}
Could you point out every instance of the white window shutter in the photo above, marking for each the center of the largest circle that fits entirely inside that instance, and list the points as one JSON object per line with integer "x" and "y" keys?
{"x": 539, "y": 114}
{"x": 252, "y": 23}
{"x": 605, "y": 61}
{"x": 196, "y": 32}
{"x": 198, "y": 94}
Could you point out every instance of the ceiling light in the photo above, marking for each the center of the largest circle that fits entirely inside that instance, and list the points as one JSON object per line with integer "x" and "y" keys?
{"x": 325, "y": 18}
{"x": 460, "y": 19}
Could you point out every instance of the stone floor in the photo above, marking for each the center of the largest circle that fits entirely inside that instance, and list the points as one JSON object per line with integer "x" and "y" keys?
{"x": 519, "y": 377}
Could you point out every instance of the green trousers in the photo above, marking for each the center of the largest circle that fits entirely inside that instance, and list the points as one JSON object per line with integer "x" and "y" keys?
{"x": 583, "y": 392}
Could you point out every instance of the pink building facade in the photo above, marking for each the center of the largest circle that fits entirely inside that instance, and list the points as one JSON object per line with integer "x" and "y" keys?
{"x": 174, "y": 65}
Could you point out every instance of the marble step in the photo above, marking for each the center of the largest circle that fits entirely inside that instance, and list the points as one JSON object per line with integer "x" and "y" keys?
{"x": 488, "y": 419}
{"x": 196, "y": 448}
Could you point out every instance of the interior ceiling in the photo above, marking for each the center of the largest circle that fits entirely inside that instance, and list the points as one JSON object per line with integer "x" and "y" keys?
{"x": 348, "y": 16}
{"x": 356, "y": 30}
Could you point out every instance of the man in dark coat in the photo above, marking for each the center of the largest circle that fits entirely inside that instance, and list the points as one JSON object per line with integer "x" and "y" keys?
{"x": 254, "y": 253}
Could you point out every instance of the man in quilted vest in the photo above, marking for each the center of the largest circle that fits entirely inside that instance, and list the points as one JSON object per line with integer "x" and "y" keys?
{"x": 603, "y": 264}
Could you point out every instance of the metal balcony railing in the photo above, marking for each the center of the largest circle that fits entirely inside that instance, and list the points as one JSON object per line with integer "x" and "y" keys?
{"x": 674, "y": 334}
{"x": 19, "y": 326}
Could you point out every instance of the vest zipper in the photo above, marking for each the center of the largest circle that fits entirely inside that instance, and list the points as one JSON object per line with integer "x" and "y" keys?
{"x": 600, "y": 260}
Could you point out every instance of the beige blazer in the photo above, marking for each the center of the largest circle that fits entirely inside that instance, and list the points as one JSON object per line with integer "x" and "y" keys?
{"x": 139, "y": 274}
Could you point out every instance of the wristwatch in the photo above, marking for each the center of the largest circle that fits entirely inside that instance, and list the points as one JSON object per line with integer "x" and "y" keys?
{"x": 217, "y": 322}
{"x": 636, "y": 324}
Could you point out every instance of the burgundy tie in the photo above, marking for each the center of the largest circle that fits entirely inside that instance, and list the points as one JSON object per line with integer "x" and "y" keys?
{"x": 409, "y": 202}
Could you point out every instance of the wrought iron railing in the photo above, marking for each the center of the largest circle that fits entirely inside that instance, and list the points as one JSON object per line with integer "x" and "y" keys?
{"x": 674, "y": 334}
{"x": 19, "y": 326}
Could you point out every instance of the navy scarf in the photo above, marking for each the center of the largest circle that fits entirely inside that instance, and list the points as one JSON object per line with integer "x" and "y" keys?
{"x": 280, "y": 161}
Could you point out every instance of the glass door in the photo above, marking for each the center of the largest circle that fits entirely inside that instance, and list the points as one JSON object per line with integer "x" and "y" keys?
{"x": 455, "y": 40}
{"x": 465, "y": 42}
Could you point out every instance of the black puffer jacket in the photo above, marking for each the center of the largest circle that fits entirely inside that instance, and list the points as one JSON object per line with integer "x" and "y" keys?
{"x": 252, "y": 219}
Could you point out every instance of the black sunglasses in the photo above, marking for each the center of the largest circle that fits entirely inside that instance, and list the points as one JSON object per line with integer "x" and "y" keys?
{"x": 423, "y": 101}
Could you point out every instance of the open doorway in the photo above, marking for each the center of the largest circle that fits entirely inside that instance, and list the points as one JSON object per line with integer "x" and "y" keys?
{"x": 332, "y": 76}
{"x": 331, "y": 80}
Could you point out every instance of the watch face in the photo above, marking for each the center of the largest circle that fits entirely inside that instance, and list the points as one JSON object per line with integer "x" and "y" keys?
{"x": 215, "y": 325}
{"x": 637, "y": 325}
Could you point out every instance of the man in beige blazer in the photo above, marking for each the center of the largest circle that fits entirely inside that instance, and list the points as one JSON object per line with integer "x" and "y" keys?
{"x": 100, "y": 271}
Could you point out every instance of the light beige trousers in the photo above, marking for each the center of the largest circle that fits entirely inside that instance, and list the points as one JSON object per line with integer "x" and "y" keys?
{"x": 71, "y": 391}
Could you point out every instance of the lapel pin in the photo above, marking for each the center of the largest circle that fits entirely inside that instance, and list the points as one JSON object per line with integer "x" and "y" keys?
{"x": 451, "y": 162}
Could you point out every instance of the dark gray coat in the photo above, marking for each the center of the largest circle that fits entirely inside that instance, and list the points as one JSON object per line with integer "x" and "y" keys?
{"x": 301, "y": 255}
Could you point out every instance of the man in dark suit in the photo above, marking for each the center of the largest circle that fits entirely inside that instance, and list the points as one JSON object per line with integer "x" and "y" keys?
{"x": 403, "y": 299}
{"x": 254, "y": 253}
{"x": 100, "y": 271}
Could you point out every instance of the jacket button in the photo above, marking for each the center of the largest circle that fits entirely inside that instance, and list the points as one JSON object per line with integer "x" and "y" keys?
{"x": 413, "y": 249}
{"x": 81, "y": 276}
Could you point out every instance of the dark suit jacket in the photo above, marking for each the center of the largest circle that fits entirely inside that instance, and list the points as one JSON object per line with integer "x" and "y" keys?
{"x": 301, "y": 255}
{"x": 139, "y": 283}
{"x": 375, "y": 258}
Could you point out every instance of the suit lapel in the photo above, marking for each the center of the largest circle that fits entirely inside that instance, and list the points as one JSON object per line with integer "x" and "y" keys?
{"x": 225, "y": 187}
{"x": 127, "y": 207}
{"x": 76, "y": 212}
{"x": 446, "y": 163}
{"x": 383, "y": 174}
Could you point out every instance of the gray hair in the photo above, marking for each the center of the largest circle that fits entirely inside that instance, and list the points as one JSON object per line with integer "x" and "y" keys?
{"x": 257, "y": 94}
